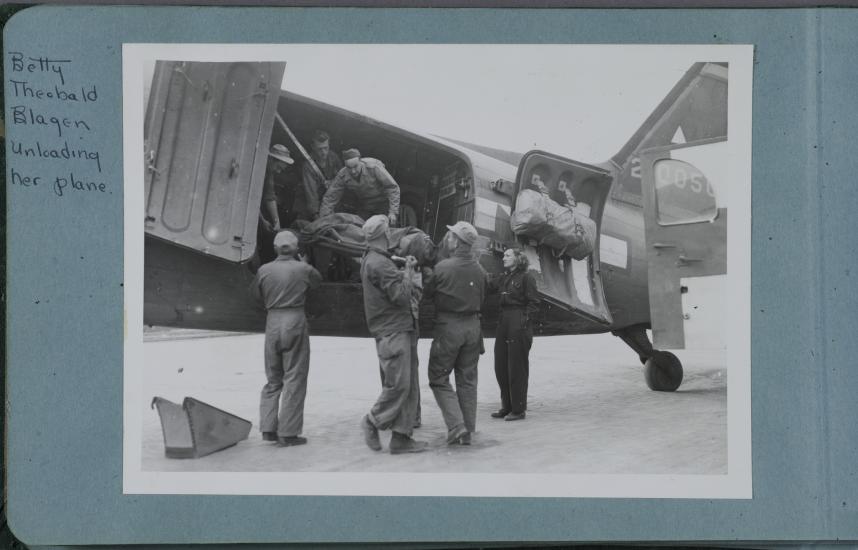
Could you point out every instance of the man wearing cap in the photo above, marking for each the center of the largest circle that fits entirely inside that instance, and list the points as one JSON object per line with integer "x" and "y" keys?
{"x": 387, "y": 304}
{"x": 314, "y": 182}
{"x": 281, "y": 287}
{"x": 374, "y": 189}
{"x": 457, "y": 287}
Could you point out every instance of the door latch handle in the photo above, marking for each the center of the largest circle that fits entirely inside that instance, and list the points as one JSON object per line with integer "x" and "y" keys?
{"x": 663, "y": 245}
{"x": 683, "y": 261}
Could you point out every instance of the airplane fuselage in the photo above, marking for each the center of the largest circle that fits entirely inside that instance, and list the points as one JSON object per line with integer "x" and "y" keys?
{"x": 188, "y": 288}
{"x": 198, "y": 265}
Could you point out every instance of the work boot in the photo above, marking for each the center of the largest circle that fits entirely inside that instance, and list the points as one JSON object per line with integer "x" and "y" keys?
{"x": 370, "y": 434}
{"x": 465, "y": 439}
{"x": 454, "y": 434}
{"x": 515, "y": 416}
{"x": 269, "y": 436}
{"x": 401, "y": 443}
{"x": 292, "y": 440}
{"x": 500, "y": 414}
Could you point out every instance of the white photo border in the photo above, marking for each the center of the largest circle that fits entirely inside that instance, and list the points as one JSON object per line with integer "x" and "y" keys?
{"x": 735, "y": 484}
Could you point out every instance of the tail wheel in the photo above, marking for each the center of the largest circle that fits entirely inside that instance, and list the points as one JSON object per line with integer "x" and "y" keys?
{"x": 663, "y": 371}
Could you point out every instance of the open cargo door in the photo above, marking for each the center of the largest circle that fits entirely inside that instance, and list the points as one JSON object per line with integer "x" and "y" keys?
{"x": 572, "y": 284}
{"x": 685, "y": 211}
{"x": 207, "y": 133}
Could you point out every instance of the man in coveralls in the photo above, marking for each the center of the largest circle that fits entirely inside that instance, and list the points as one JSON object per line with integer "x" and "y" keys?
{"x": 281, "y": 287}
{"x": 387, "y": 304}
{"x": 374, "y": 189}
{"x": 457, "y": 287}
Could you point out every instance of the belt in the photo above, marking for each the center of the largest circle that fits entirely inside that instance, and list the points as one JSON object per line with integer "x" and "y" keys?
{"x": 458, "y": 314}
{"x": 513, "y": 308}
{"x": 287, "y": 308}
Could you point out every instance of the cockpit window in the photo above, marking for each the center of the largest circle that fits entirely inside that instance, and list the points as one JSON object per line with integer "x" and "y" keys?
{"x": 683, "y": 194}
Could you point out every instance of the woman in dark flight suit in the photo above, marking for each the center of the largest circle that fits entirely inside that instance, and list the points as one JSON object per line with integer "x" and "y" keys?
{"x": 519, "y": 302}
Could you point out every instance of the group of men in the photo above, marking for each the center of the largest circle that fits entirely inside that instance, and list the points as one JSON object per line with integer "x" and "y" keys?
{"x": 391, "y": 290}
{"x": 326, "y": 184}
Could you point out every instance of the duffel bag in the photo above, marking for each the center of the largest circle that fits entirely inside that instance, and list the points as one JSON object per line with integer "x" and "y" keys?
{"x": 559, "y": 227}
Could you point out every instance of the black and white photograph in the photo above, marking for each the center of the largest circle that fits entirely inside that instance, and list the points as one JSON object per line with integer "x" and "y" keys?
{"x": 437, "y": 270}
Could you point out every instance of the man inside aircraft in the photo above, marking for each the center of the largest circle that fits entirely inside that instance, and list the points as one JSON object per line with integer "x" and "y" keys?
{"x": 375, "y": 190}
{"x": 457, "y": 288}
{"x": 316, "y": 182}
{"x": 278, "y": 191}
{"x": 280, "y": 286}
{"x": 387, "y": 293}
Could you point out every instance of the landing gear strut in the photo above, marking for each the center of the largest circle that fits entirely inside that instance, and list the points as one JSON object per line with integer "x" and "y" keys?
{"x": 662, "y": 369}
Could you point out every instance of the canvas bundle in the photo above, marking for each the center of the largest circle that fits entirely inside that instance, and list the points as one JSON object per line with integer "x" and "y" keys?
{"x": 342, "y": 232}
{"x": 559, "y": 227}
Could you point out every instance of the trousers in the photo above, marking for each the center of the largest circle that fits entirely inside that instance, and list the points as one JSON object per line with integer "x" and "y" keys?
{"x": 396, "y": 406}
{"x": 456, "y": 348}
{"x": 287, "y": 363}
{"x": 512, "y": 367}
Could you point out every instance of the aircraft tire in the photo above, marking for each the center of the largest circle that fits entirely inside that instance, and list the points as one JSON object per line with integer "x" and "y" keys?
{"x": 663, "y": 371}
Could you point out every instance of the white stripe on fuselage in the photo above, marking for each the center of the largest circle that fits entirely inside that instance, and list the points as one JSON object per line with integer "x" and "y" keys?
{"x": 613, "y": 251}
{"x": 485, "y": 213}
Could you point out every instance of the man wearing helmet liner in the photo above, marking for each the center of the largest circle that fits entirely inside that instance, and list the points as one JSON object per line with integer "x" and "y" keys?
{"x": 457, "y": 287}
{"x": 387, "y": 295}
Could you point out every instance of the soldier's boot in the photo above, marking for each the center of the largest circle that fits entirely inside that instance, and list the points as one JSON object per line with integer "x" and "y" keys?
{"x": 401, "y": 443}
{"x": 370, "y": 434}
{"x": 455, "y": 434}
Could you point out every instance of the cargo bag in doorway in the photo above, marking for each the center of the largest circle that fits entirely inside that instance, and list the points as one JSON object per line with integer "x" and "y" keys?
{"x": 559, "y": 227}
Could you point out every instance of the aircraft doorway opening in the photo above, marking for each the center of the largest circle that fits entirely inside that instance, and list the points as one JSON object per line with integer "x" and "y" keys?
{"x": 436, "y": 183}
{"x": 556, "y": 218}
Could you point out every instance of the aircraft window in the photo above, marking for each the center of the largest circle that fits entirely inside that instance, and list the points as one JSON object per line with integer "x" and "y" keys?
{"x": 683, "y": 194}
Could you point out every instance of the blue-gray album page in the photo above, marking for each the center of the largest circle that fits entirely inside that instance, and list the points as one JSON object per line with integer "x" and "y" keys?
{"x": 568, "y": 275}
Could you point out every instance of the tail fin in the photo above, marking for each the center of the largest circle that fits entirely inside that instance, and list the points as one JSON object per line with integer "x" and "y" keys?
{"x": 695, "y": 109}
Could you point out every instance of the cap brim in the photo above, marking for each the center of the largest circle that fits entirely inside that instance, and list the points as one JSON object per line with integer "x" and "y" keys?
{"x": 460, "y": 237}
{"x": 287, "y": 160}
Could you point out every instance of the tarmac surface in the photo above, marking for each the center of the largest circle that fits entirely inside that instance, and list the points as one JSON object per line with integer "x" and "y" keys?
{"x": 589, "y": 410}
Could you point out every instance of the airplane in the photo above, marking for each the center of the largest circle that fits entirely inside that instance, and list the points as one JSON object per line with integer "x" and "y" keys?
{"x": 659, "y": 206}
